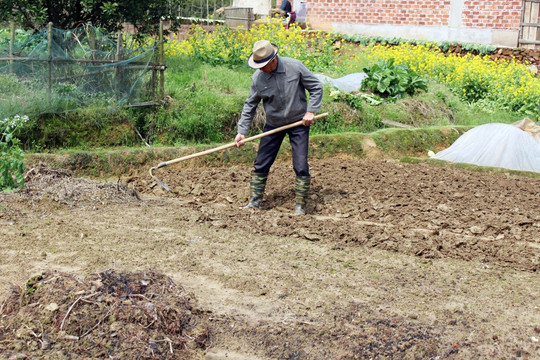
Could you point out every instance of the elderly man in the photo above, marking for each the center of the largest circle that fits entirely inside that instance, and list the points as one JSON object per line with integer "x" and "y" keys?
{"x": 281, "y": 84}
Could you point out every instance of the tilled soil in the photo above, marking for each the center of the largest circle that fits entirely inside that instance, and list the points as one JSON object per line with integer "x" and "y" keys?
{"x": 413, "y": 209}
{"x": 392, "y": 260}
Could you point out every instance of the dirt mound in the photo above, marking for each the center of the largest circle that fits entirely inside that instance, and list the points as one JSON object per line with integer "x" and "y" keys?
{"x": 58, "y": 187}
{"x": 61, "y": 186}
{"x": 110, "y": 314}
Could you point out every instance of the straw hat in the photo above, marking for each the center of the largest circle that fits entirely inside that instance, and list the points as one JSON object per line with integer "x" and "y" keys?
{"x": 263, "y": 53}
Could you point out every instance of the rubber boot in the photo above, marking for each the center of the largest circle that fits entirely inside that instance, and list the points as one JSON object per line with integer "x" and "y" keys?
{"x": 302, "y": 190}
{"x": 258, "y": 184}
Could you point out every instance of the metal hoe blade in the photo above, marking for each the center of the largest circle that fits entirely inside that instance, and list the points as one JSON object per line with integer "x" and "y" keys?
{"x": 157, "y": 180}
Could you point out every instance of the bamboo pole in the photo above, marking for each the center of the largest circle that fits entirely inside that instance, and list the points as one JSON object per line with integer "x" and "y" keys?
{"x": 91, "y": 37}
{"x": 11, "y": 40}
{"x": 154, "y": 82}
{"x": 118, "y": 70}
{"x": 162, "y": 61}
{"x": 49, "y": 50}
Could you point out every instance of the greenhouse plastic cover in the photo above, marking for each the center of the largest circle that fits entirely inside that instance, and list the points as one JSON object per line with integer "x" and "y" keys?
{"x": 351, "y": 82}
{"x": 510, "y": 146}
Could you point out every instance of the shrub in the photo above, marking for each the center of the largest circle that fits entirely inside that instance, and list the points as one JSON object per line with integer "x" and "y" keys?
{"x": 11, "y": 154}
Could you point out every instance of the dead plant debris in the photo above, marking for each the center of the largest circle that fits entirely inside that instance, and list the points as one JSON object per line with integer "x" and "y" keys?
{"x": 110, "y": 314}
{"x": 59, "y": 185}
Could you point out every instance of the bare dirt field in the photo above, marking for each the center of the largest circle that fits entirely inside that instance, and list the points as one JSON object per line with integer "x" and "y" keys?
{"x": 392, "y": 261}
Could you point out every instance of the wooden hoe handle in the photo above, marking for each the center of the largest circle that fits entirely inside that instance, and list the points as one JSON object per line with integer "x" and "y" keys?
{"x": 226, "y": 146}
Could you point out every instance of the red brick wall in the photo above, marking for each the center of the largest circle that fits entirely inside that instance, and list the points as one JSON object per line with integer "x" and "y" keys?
{"x": 491, "y": 14}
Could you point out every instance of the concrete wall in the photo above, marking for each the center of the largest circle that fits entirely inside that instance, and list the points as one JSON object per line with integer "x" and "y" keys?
{"x": 261, "y": 8}
{"x": 493, "y": 22}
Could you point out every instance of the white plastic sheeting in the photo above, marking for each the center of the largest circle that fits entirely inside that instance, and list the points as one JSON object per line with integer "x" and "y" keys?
{"x": 348, "y": 83}
{"x": 498, "y": 145}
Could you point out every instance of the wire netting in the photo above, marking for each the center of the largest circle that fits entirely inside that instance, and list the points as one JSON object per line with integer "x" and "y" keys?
{"x": 54, "y": 71}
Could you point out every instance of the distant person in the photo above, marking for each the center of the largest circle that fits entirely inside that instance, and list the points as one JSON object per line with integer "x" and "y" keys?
{"x": 281, "y": 84}
{"x": 285, "y": 10}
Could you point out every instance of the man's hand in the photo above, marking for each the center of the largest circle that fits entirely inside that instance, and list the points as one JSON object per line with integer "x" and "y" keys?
{"x": 239, "y": 140}
{"x": 308, "y": 118}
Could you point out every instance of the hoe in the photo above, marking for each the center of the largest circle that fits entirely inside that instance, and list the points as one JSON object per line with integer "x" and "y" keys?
{"x": 223, "y": 147}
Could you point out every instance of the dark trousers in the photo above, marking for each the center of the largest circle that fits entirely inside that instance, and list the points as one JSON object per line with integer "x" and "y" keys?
{"x": 269, "y": 147}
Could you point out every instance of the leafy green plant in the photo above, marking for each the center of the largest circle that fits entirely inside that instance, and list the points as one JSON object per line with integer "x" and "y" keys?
{"x": 352, "y": 100}
{"x": 391, "y": 80}
{"x": 20, "y": 35}
{"x": 444, "y": 46}
{"x": 11, "y": 154}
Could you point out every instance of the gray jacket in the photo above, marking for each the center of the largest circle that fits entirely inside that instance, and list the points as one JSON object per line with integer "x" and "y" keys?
{"x": 283, "y": 93}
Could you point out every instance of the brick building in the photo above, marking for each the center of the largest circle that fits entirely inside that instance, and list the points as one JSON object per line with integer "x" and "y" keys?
{"x": 494, "y": 22}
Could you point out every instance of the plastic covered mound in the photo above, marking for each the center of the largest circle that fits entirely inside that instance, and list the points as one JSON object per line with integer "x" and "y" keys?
{"x": 497, "y": 145}
{"x": 108, "y": 315}
{"x": 351, "y": 82}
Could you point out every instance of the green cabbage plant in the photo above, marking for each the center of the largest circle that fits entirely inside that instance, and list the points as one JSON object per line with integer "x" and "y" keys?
{"x": 394, "y": 81}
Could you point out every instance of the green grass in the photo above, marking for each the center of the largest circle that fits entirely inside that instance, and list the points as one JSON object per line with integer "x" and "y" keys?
{"x": 205, "y": 102}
